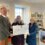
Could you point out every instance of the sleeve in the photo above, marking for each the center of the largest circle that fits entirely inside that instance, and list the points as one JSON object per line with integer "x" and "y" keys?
{"x": 10, "y": 26}
{"x": 1, "y": 24}
{"x": 1, "y": 29}
{"x": 2, "y": 32}
{"x": 36, "y": 30}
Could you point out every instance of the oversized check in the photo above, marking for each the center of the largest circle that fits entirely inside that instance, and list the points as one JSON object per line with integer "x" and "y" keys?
{"x": 18, "y": 29}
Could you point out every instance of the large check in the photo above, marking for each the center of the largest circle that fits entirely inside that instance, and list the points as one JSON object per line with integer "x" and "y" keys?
{"x": 18, "y": 29}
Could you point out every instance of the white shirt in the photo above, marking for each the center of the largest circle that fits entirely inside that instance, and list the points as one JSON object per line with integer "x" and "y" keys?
{"x": 3, "y": 15}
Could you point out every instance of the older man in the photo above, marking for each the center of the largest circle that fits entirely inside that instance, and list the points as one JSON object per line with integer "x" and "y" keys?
{"x": 4, "y": 26}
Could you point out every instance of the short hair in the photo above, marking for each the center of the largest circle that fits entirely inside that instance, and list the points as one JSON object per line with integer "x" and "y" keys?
{"x": 3, "y": 7}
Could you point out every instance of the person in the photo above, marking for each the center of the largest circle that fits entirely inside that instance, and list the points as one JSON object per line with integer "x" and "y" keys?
{"x": 5, "y": 26}
{"x": 18, "y": 21}
{"x": 32, "y": 32}
{"x": 18, "y": 39}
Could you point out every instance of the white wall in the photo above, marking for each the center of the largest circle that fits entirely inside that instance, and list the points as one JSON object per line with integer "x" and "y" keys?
{"x": 40, "y": 8}
{"x": 37, "y": 7}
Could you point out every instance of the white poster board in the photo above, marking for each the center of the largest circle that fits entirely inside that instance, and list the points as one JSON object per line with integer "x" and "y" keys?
{"x": 41, "y": 33}
{"x": 18, "y": 29}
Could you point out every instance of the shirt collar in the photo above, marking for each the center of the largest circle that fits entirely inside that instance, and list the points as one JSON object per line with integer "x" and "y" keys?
{"x": 3, "y": 15}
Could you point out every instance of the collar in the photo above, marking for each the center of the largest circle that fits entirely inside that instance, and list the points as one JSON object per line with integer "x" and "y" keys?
{"x": 3, "y": 15}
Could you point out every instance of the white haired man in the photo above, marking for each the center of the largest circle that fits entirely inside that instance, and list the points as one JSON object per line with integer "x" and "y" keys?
{"x": 4, "y": 26}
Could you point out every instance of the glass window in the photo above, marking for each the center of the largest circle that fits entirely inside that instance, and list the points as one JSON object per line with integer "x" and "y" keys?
{"x": 18, "y": 12}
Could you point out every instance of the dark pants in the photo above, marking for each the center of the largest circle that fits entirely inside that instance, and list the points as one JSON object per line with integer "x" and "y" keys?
{"x": 18, "y": 40}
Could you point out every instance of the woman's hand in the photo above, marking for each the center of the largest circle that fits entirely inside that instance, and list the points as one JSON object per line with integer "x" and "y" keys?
{"x": 11, "y": 35}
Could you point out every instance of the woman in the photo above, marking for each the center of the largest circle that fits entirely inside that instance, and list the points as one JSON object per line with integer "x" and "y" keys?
{"x": 32, "y": 32}
{"x": 18, "y": 39}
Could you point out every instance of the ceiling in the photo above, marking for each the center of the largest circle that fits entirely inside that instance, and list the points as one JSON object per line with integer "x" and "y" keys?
{"x": 35, "y": 1}
{"x": 28, "y": 1}
{"x": 32, "y": 1}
